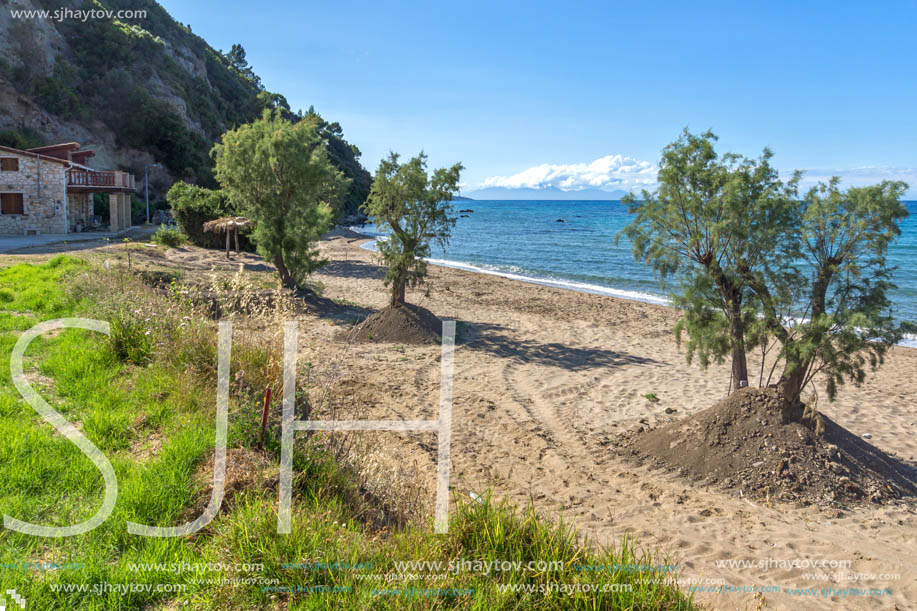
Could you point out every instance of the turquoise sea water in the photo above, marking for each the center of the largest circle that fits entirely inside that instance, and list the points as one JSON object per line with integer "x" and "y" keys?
{"x": 524, "y": 240}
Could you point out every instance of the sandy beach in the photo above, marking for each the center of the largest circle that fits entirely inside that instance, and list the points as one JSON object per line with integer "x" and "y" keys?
{"x": 544, "y": 381}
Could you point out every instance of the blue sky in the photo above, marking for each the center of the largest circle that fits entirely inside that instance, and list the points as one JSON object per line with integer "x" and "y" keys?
{"x": 533, "y": 94}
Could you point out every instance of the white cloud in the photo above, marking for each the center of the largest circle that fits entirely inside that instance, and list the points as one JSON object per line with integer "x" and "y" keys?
{"x": 860, "y": 176}
{"x": 619, "y": 172}
{"x": 609, "y": 172}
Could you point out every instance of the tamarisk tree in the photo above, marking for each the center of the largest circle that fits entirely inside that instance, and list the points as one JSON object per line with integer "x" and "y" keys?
{"x": 695, "y": 228}
{"x": 277, "y": 173}
{"x": 831, "y": 272}
{"x": 755, "y": 266}
{"x": 415, "y": 210}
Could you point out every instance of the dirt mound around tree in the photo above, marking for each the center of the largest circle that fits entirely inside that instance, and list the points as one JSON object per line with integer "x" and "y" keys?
{"x": 404, "y": 324}
{"x": 742, "y": 444}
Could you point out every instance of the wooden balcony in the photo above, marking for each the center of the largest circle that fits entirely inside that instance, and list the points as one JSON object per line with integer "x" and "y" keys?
{"x": 102, "y": 181}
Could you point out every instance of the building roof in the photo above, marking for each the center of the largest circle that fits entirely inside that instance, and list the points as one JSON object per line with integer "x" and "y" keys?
{"x": 82, "y": 156}
{"x": 33, "y": 153}
{"x": 61, "y": 146}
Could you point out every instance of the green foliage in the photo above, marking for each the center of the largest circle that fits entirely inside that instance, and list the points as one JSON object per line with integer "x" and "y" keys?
{"x": 236, "y": 59}
{"x": 278, "y": 174}
{"x": 414, "y": 209}
{"x": 56, "y": 93}
{"x": 155, "y": 126}
{"x": 750, "y": 259}
{"x": 138, "y": 210}
{"x": 696, "y": 227}
{"x": 100, "y": 206}
{"x": 169, "y": 237}
{"x": 651, "y": 397}
{"x": 107, "y": 78}
{"x": 193, "y": 206}
{"x": 22, "y": 138}
{"x": 130, "y": 338}
{"x": 345, "y": 157}
{"x": 831, "y": 268}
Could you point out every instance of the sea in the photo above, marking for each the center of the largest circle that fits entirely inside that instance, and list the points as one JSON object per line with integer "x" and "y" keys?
{"x": 571, "y": 245}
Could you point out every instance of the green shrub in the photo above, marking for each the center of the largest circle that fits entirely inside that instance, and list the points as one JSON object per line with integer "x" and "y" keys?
{"x": 6, "y": 295}
{"x": 21, "y": 138}
{"x": 193, "y": 206}
{"x": 58, "y": 97}
{"x": 131, "y": 340}
{"x": 169, "y": 237}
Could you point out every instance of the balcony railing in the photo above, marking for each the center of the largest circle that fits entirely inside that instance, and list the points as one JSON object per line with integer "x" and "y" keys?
{"x": 101, "y": 180}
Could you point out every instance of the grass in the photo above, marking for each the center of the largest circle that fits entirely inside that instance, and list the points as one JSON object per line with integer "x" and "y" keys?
{"x": 651, "y": 397}
{"x": 157, "y": 381}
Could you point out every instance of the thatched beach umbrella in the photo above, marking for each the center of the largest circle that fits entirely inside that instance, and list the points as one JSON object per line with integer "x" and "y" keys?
{"x": 230, "y": 225}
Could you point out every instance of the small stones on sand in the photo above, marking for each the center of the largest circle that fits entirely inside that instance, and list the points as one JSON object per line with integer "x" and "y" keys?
{"x": 782, "y": 466}
{"x": 867, "y": 436}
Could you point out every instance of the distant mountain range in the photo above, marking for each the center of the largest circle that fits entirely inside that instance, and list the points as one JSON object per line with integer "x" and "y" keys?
{"x": 550, "y": 193}
{"x": 555, "y": 194}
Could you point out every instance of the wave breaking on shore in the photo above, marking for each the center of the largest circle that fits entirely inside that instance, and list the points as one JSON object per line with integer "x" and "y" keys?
{"x": 909, "y": 341}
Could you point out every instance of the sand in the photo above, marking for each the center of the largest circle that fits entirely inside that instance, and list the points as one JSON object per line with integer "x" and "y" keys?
{"x": 544, "y": 380}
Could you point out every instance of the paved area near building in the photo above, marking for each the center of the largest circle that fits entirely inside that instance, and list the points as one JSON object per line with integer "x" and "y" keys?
{"x": 13, "y": 243}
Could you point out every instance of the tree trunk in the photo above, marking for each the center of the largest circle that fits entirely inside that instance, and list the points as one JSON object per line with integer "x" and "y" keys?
{"x": 790, "y": 386}
{"x": 791, "y": 383}
{"x": 792, "y": 380}
{"x": 737, "y": 331}
{"x": 739, "y": 363}
{"x": 286, "y": 280}
{"x": 398, "y": 289}
{"x": 732, "y": 296}
{"x": 227, "y": 243}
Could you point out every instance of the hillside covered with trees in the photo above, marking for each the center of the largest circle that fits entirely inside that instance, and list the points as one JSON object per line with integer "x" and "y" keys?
{"x": 140, "y": 91}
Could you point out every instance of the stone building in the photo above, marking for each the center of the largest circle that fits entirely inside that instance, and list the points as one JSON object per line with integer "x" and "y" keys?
{"x": 49, "y": 190}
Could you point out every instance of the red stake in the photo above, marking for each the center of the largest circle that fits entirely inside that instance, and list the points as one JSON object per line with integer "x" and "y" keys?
{"x": 264, "y": 414}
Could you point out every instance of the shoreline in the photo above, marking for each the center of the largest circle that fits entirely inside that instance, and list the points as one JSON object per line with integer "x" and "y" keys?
{"x": 570, "y": 285}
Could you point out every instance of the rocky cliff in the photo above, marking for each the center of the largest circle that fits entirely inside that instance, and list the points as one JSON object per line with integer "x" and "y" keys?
{"x": 138, "y": 90}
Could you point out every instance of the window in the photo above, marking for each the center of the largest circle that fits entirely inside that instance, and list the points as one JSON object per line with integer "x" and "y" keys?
{"x": 11, "y": 203}
{"x": 9, "y": 164}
